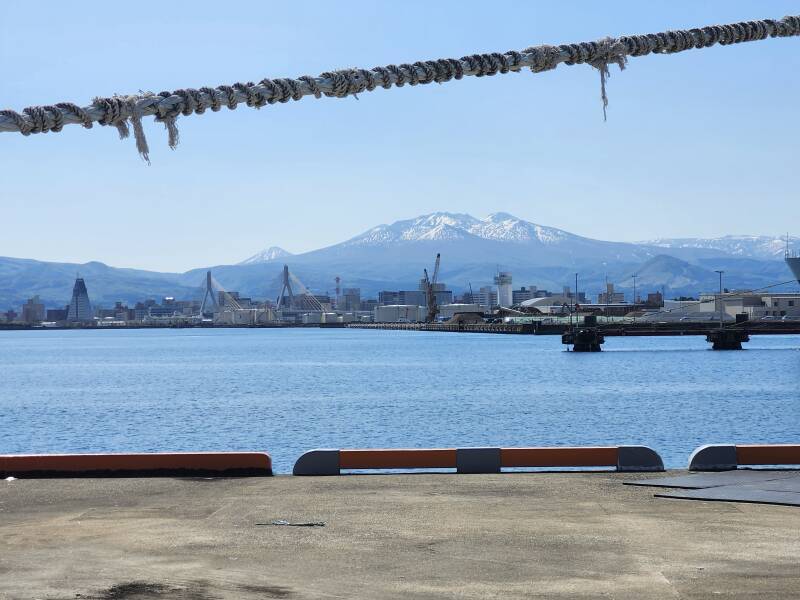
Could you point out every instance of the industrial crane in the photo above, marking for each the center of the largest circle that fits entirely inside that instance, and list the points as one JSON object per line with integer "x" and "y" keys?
{"x": 430, "y": 296}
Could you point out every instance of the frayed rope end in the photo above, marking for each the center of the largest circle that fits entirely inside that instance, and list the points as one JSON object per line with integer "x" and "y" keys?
{"x": 612, "y": 52}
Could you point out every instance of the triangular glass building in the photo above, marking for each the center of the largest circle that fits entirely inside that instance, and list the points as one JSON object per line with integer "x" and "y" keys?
{"x": 80, "y": 309}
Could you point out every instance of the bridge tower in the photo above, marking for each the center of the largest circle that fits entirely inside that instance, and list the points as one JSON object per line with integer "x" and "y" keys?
{"x": 286, "y": 297}
{"x": 209, "y": 294}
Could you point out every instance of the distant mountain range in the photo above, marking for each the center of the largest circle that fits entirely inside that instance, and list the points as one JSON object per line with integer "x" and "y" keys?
{"x": 392, "y": 256}
{"x": 746, "y": 246}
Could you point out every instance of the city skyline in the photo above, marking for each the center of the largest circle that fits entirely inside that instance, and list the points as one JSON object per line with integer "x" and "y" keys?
{"x": 473, "y": 252}
{"x": 477, "y": 146}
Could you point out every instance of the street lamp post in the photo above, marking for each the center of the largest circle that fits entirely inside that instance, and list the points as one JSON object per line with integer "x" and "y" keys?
{"x": 576, "y": 292}
{"x": 635, "y": 275}
{"x": 720, "y": 297}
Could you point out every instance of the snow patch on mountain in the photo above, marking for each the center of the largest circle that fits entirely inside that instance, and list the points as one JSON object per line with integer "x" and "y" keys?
{"x": 750, "y": 246}
{"x": 271, "y": 253}
{"x": 443, "y": 226}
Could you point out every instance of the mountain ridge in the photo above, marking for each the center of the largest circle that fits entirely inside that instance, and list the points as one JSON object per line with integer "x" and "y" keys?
{"x": 392, "y": 256}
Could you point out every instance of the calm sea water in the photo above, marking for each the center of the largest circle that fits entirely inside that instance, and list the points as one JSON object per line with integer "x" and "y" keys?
{"x": 286, "y": 391}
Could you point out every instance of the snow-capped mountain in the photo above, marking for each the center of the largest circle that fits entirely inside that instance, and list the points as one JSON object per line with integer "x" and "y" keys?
{"x": 271, "y": 253}
{"x": 746, "y": 246}
{"x": 391, "y": 257}
{"x": 442, "y": 226}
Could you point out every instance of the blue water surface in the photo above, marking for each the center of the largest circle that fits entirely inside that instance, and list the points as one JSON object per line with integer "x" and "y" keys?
{"x": 289, "y": 390}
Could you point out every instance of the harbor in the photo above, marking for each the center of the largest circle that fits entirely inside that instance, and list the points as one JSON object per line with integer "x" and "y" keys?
{"x": 228, "y": 368}
{"x": 296, "y": 388}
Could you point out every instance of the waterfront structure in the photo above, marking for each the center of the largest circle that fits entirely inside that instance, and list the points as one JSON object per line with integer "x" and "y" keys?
{"x": 245, "y": 316}
{"x": 400, "y": 313}
{"x": 33, "y": 311}
{"x": 754, "y": 305}
{"x": 503, "y": 282}
{"x": 80, "y": 308}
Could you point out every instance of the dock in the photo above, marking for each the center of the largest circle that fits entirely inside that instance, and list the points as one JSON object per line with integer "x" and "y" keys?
{"x": 607, "y": 329}
{"x": 512, "y": 535}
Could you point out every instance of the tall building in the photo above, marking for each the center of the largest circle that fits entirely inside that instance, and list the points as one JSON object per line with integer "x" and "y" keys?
{"x": 440, "y": 292}
{"x": 33, "y": 310}
{"x": 350, "y": 300}
{"x": 505, "y": 296}
{"x": 485, "y": 297}
{"x": 80, "y": 309}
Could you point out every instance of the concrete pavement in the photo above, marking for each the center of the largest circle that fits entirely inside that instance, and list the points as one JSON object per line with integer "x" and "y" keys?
{"x": 554, "y": 535}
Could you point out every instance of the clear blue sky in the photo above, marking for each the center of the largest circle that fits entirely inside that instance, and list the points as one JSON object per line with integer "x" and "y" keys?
{"x": 702, "y": 143}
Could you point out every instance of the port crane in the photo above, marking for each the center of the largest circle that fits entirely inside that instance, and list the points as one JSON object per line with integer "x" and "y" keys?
{"x": 430, "y": 296}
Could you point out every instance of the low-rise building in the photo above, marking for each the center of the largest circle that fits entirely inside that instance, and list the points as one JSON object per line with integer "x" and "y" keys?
{"x": 33, "y": 311}
{"x": 56, "y": 314}
{"x": 524, "y": 293}
{"x": 610, "y": 296}
{"x": 350, "y": 299}
{"x": 400, "y": 313}
{"x": 754, "y": 305}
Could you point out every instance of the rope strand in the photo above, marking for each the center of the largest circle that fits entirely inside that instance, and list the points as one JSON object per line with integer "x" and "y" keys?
{"x": 166, "y": 107}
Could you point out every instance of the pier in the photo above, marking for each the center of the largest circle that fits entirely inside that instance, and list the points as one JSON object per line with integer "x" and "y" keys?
{"x": 588, "y": 336}
{"x": 548, "y": 535}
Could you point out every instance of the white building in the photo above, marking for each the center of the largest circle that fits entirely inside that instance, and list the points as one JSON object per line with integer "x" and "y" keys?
{"x": 755, "y": 306}
{"x": 504, "y": 294}
{"x": 400, "y": 313}
{"x": 486, "y": 297}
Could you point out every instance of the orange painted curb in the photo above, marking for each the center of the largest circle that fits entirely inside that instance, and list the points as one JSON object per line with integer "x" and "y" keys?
{"x": 600, "y": 456}
{"x": 764, "y": 454}
{"x": 444, "y": 458}
{"x": 129, "y": 465}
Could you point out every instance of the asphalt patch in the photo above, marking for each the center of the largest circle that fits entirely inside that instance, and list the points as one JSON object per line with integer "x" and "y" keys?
{"x": 716, "y": 479}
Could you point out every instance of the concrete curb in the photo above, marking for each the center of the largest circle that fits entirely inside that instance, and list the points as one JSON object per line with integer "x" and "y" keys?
{"x": 713, "y": 457}
{"x": 633, "y": 459}
{"x": 164, "y": 464}
{"x": 726, "y": 457}
{"x": 317, "y": 462}
{"x": 478, "y": 460}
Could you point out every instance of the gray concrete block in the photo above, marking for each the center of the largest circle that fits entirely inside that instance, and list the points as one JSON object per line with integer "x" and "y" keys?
{"x": 317, "y": 462}
{"x": 713, "y": 457}
{"x": 638, "y": 458}
{"x": 478, "y": 460}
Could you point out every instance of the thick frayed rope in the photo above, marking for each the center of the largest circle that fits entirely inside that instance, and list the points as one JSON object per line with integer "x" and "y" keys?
{"x": 120, "y": 111}
{"x": 608, "y": 51}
